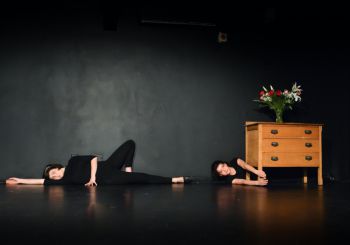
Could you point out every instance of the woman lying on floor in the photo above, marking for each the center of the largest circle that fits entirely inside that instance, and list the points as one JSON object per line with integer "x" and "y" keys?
{"x": 87, "y": 170}
{"x": 233, "y": 173}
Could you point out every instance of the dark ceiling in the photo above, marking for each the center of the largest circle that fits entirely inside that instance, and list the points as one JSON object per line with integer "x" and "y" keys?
{"x": 291, "y": 22}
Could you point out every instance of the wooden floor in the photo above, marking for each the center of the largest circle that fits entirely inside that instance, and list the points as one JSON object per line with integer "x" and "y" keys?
{"x": 284, "y": 213}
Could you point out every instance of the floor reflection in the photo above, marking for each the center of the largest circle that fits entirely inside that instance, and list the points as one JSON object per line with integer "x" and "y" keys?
{"x": 55, "y": 195}
{"x": 181, "y": 213}
{"x": 288, "y": 214}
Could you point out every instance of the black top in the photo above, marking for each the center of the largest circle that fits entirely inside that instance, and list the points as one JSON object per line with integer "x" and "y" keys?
{"x": 77, "y": 171}
{"x": 240, "y": 173}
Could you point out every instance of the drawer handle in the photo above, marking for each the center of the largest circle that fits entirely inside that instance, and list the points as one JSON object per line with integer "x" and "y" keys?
{"x": 308, "y": 158}
{"x": 274, "y": 131}
{"x": 274, "y": 144}
{"x": 307, "y": 131}
{"x": 274, "y": 159}
{"x": 308, "y": 145}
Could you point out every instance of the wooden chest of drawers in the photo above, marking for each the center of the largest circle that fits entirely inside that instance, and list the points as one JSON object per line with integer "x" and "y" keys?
{"x": 271, "y": 144}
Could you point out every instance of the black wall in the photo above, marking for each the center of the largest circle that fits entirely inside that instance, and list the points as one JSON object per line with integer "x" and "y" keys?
{"x": 72, "y": 84}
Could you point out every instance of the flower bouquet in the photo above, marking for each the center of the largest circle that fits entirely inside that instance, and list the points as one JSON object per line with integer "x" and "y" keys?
{"x": 278, "y": 101}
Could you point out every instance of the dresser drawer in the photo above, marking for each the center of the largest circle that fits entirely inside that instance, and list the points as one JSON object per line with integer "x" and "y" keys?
{"x": 283, "y": 159}
{"x": 290, "y": 145}
{"x": 285, "y": 131}
{"x": 270, "y": 144}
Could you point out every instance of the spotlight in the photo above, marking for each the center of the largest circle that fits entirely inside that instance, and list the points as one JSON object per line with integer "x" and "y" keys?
{"x": 222, "y": 37}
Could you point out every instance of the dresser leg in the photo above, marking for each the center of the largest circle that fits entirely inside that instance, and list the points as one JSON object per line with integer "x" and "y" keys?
{"x": 319, "y": 176}
{"x": 247, "y": 175}
{"x": 305, "y": 176}
{"x": 260, "y": 168}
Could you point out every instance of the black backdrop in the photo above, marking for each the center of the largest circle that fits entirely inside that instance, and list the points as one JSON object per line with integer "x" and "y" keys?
{"x": 81, "y": 80}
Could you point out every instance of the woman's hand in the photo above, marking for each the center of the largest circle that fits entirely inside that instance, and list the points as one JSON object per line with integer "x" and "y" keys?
{"x": 262, "y": 182}
{"x": 12, "y": 181}
{"x": 261, "y": 174}
{"x": 92, "y": 182}
{"x": 128, "y": 169}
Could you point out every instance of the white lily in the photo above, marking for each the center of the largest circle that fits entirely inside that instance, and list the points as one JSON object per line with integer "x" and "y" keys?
{"x": 296, "y": 97}
{"x": 296, "y": 88}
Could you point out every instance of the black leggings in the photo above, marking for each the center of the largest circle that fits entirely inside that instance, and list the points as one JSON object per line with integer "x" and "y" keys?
{"x": 124, "y": 156}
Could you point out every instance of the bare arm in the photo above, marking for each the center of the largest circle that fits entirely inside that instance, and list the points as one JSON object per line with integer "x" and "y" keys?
{"x": 16, "y": 181}
{"x": 249, "y": 168}
{"x": 260, "y": 182}
{"x": 92, "y": 181}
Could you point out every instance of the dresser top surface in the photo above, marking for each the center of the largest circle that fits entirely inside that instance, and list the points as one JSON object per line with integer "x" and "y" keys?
{"x": 249, "y": 123}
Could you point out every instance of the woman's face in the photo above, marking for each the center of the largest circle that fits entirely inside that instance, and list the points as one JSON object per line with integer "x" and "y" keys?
{"x": 223, "y": 169}
{"x": 56, "y": 174}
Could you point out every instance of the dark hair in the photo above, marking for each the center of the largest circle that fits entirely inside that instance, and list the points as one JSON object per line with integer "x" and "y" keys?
{"x": 214, "y": 173}
{"x": 48, "y": 168}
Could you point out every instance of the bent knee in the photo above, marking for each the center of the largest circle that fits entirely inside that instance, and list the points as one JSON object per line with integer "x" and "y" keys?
{"x": 130, "y": 142}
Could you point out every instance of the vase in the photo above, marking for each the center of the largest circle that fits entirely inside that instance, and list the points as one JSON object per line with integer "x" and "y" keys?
{"x": 279, "y": 115}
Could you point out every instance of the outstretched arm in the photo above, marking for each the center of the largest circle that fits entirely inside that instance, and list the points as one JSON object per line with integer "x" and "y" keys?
{"x": 92, "y": 181}
{"x": 260, "y": 182}
{"x": 16, "y": 181}
{"x": 246, "y": 166}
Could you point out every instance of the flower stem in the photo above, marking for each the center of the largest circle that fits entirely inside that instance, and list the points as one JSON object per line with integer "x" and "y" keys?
{"x": 279, "y": 115}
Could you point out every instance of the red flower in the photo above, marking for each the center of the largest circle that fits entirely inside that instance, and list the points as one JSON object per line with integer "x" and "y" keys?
{"x": 271, "y": 92}
{"x": 261, "y": 93}
{"x": 278, "y": 92}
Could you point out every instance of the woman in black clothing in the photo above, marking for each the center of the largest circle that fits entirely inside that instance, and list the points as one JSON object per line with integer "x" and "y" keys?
{"x": 233, "y": 172}
{"x": 87, "y": 170}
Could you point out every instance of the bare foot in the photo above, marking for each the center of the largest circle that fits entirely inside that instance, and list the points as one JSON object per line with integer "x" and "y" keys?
{"x": 178, "y": 179}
